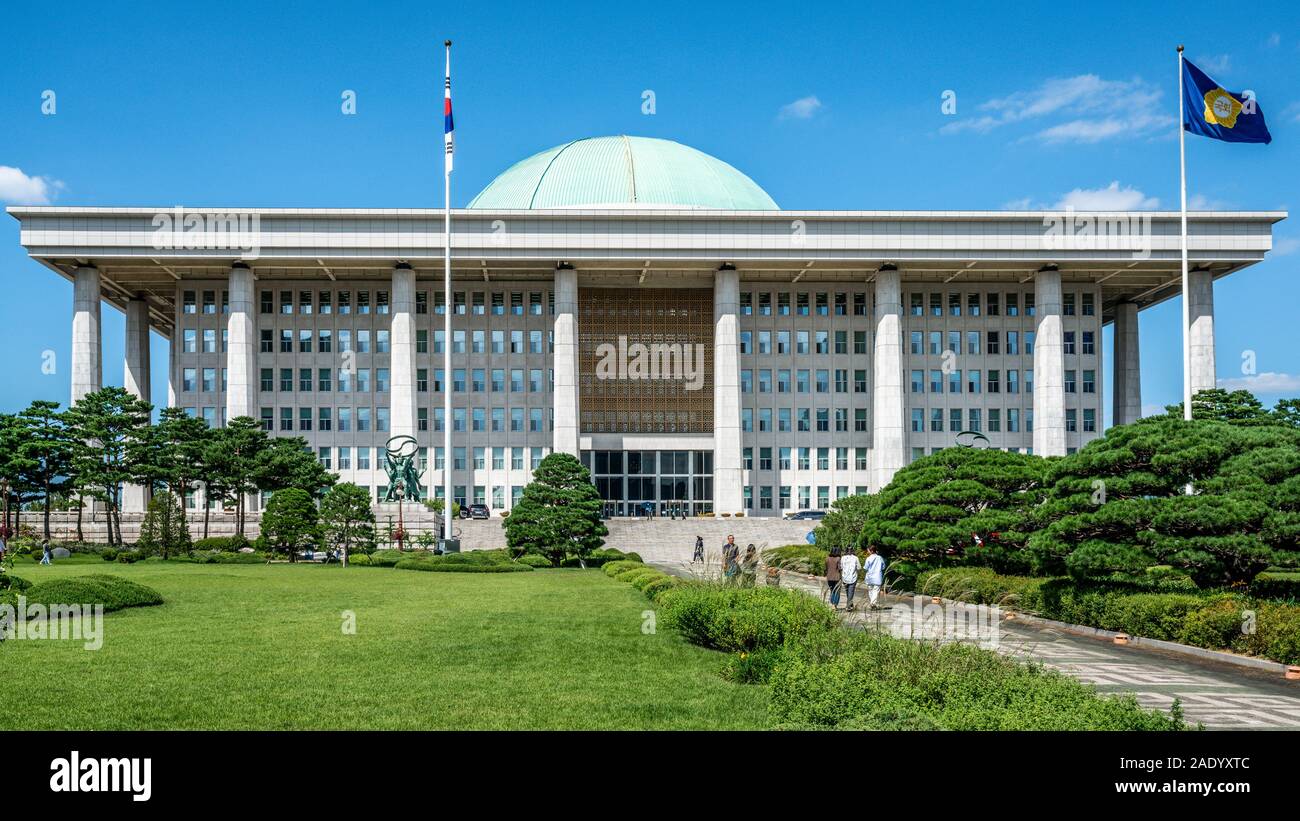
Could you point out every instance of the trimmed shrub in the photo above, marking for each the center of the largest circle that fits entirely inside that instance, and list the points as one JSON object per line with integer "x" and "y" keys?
{"x": 743, "y": 619}
{"x": 114, "y": 592}
{"x": 752, "y": 668}
{"x": 1277, "y": 632}
{"x": 359, "y": 559}
{"x": 108, "y": 554}
{"x": 657, "y": 587}
{"x": 9, "y": 582}
{"x": 614, "y": 568}
{"x": 630, "y": 576}
{"x": 1281, "y": 586}
{"x": 221, "y": 544}
{"x": 386, "y": 558}
{"x": 534, "y": 561}
{"x": 1215, "y": 625}
{"x": 875, "y": 681}
{"x": 980, "y": 585}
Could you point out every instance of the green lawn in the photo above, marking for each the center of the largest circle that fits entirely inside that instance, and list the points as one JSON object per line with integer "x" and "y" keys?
{"x": 261, "y": 647}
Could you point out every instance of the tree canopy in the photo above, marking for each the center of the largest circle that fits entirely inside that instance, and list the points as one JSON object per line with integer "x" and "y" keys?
{"x": 559, "y": 513}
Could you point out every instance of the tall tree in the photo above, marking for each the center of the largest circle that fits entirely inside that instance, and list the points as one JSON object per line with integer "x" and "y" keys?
{"x": 842, "y": 527}
{"x": 1121, "y": 504}
{"x": 347, "y": 518}
{"x": 559, "y": 513}
{"x": 1215, "y": 404}
{"x": 12, "y": 433}
{"x": 958, "y": 503}
{"x": 108, "y": 425}
{"x": 1287, "y": 413}
{"x": 175, "y": 449}
{"x": 230, "y": 459}
{"x": 290, "y": 522}
{"x": 288, "y": 462}
{"x": 45, "y": 453}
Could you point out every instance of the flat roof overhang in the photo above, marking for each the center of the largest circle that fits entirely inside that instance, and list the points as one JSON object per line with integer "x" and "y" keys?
{"x": 140, "y": 253}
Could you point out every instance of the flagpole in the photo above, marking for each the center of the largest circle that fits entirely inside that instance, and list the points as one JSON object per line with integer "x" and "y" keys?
{"x": 1182, "y": 183}
{"x": 447, "y": 503}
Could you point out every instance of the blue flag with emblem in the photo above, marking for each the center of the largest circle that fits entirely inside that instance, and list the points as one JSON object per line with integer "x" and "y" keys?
{"x": 1211, "y": 111}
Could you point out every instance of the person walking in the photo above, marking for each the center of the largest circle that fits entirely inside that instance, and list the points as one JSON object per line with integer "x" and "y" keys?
{"x": 730, "y": 559}
{"x": 833, "y": 576}
{"x": 698, "y": 556}
{"x": 849, "y": 573}
{"x": 749, "y": 567}
{"x": 45, "y": 552}
{"x": 874, "y": 573}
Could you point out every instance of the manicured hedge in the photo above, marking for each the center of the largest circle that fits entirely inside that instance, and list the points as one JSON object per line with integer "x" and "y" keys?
{"x": 11, "y": 582}
{"x": 114, "y": 592}
{"x": 221, "y": 544}
{"x": 1283, "y": 586}
{"x": 631, "y": 575}
{"x": 614, "y": 568}
{"x": 869, "y": 680}
{"x": 743, "y": 619}
{"x": 226, "y": 557}
{"x": 1160, "y": 607}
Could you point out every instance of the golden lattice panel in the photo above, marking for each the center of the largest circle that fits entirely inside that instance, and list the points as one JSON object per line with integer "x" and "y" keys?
{"x": 645, "y": 360}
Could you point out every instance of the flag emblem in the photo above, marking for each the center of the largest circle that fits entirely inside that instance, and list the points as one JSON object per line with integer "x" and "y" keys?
{"x": 448, "y": 128}
{"x": 1221, "y": 108}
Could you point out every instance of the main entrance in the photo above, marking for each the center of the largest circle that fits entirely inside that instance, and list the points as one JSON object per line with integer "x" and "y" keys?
{"x": 652, "y": 482}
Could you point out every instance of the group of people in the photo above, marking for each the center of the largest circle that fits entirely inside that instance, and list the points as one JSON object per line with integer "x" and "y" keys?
{"x": 842, "y": 571}
{"x": 735, "y": 568}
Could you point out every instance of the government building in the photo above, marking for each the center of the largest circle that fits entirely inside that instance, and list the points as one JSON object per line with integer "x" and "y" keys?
{"x": 649, "y": 308}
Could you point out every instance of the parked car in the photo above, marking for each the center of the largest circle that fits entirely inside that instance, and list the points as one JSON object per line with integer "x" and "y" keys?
{"x": 479, "y": 512}
{"x": 806, "y": 514}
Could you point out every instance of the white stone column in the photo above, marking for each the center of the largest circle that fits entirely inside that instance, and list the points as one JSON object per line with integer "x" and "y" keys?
{"x": 1128, "y": 371}
{"x": 1200, "y": 316}
{"x": 1049, "y": 366}
{"x": 888, "y": 430}
{"x": 728, "y": 468}
{"x": 241, "y": 345}
{"x": 566, "y": 362}
{"x": 402, "y": 356}
{"x": 135, "y": 498}
{"x": 87, "y": 350}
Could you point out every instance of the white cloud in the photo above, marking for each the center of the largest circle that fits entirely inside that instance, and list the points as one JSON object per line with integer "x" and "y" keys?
{"x": 1200, "y": 202}
{"x": 20, "y": 189}
{"x": 1263, "y": 383}
{"x": 1110, "y": 198}
{"x": 801, "y": 109}
{"x": 1216, "y": 63}
{"x": 1094, "y": 109}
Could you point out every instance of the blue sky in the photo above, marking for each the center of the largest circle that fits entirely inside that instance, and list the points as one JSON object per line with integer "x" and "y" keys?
{"x": 827, "y": 106}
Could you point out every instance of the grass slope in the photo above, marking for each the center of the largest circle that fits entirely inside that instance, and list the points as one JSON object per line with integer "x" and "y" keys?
{"x": 261, "y": 647}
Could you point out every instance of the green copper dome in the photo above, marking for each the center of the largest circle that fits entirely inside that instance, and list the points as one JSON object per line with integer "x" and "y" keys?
{"x": 623, "y": 172}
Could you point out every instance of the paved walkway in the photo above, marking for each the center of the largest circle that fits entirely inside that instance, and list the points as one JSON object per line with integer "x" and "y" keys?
{"x": 1218, "y": 695}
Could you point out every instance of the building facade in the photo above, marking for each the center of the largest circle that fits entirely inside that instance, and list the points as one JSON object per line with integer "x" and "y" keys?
{"x": 648, "y": 308}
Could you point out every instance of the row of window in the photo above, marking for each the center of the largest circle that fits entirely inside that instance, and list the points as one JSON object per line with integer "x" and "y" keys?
{"x": 974, "y": 420}
{"x": 990, "y": 342}
{"x": 975, "y": 381}
{"x": 363, "y": 419}
{"x": 804, "y": 342}
{"x": 994, "y": 303}
{"x": 308, "y": 301}
{"x": 805, "y": 380}
{"x": 783, "y": 497}
{"x": 802, "y": 458}
{"x": 357, "y": 380}
{"x": 803, "y": 420}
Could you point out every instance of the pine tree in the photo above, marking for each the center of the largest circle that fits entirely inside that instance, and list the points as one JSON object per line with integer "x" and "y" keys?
{"x": 559, "y": 513}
